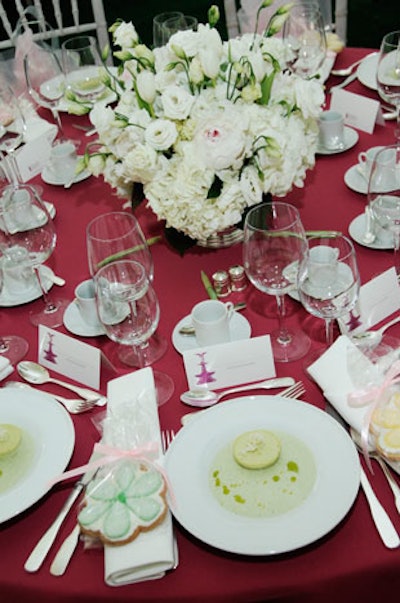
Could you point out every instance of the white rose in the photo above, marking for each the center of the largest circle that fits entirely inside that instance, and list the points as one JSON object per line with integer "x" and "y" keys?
{"x": 220, "y": 141}
{"x": 145, "y": 83}
{"x": 141, "y": 163}
{"x": 161, "y": 134}
{"x": 126, "y": 35}
{"x": 176, "y": 102}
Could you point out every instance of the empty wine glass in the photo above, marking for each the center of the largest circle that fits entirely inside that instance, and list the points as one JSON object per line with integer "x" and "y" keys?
{"x": 159, "y": 37}
{"x": 27, "y": 232}
{"x": 304, "y": 39}
{"x": 384, "y": 195}
{"x": 388, "y": 74}
{"x": 274, "y": 244}
{"x": 46, "y": 83}
{"x": 12, "y": 130}
{"x": 83, "y": 67}
{"x": 116, "y": 236}
{"x": 12, "y": 347}
{"x": 128, "y": 308}
{"x": 328, "y": 281}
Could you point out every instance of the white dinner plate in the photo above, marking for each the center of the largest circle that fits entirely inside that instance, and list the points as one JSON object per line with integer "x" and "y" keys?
{"x": 74, "y": 322}
{"x": 9, "y": 298}
{"x": 49, "y": 177}
{"x": 50, "y": 432}
{"x": 350, "y": 139}
{"x": 366, "y": 71}
{"x": 239, "y": 328}
{"x": 357, "y": 229}
{"x": 193, "y": 450}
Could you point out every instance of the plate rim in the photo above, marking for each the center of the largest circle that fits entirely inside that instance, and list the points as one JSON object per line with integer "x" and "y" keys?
{"x": 368, "y": 59}
{"x": 191, "y": 441}
{"x": 53, "y": 461}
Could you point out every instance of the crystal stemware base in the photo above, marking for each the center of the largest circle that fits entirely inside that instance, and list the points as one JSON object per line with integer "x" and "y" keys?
{"x": 13, "y": 347}
{"x": 51, "y": 315}
{"x": 293, "y": 347}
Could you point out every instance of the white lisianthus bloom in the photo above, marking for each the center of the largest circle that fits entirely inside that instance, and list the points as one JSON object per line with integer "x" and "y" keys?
{"x": 101, "y": 117}
{"x": 126, "y": 35}
{"x": 146, "y": 87}
{"x": 220, "y": 141}
{"x": 250, "y": 185}
{"x": 96, "y": 164}
{"x": 141, "y": 163}
{"x": 176, "y": 102}
{"x": 161, "y": 134}
{"x": 210, "y": 62}
{"x": 196, "y": 73}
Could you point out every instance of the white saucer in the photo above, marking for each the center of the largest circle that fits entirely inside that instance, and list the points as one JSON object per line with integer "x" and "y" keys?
{"x": 350, "y": 139}
{"x": 355, "y": 180}
{"x": 33, "y": 291}
{"x": 239, "y": 326}
{"x": 357, "y": 230}
{"x": 75, "y": 324}
{"x": 50, "y": 178}
{"x": 366, "y": 71}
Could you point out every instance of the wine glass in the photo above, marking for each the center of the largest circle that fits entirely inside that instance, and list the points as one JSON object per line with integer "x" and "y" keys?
{"x": 274, "y": 244}
{"x": 83, "y": 68}
{"x": 384, "y": 194}
{"x": 388, "y": 74}
{"x": 159, "y": 38}
{"x": 116, "y": 236}
{"x": 46, "y": 83}
{"x": 328, "y": 281}
{"x": 128, "y": 308}
{"x": 12, "y": 347}
{"x": 304, "y": 39}
{"x": 28, "y": 237}
{"x": 12, "y": 130}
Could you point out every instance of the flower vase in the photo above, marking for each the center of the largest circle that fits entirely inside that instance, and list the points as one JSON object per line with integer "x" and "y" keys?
{"x": 225, "y": 238}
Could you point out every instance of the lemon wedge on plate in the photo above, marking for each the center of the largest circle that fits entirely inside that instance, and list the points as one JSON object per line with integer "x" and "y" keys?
{"x": 10, "y": 438}
{"x": 256, "y": 449}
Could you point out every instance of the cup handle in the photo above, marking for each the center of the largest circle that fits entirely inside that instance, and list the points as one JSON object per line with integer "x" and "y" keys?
{"x": 230, "y": 307}
{"x": 362, "y": 157}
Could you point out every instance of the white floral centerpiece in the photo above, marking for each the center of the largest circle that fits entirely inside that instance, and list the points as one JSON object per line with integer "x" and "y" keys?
{"x": 206, "y": 127}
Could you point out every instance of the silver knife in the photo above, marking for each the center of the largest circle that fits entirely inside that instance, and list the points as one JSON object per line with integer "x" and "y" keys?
{"x": 65, "y": 552}
{"x": 345, "y": 82}
{"x": 39, "y": 553}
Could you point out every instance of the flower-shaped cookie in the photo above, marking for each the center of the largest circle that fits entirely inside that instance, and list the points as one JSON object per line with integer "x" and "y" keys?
{"x": 385, "y": 426}
{"x": 123, "y": 501}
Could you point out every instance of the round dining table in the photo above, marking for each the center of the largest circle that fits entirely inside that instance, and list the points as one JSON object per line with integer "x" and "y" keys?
{"x": 350, "y": 562}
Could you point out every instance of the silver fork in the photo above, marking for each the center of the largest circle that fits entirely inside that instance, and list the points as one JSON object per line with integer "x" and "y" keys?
{"x": 167, "y": 435}
{"x": 293, "y": 391}
{"x": 74, "y": 406}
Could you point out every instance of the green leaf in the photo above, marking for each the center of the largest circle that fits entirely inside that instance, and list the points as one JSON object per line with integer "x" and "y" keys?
{"x": 266, "y": 86}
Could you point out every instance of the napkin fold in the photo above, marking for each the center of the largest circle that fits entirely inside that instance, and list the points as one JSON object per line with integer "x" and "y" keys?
{"x": 332, "y": 373}
{"x": 6, "y": 368}
{"x": 152, "y": 553}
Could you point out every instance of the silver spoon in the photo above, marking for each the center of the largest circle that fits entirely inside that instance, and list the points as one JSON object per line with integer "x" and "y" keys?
{"x": 347, "y": 70}
{"x": 375, "y": 336}
{"x": 374, "y": 455}
{"x": 204, "y": 397}
{"x": 37, "y": 374}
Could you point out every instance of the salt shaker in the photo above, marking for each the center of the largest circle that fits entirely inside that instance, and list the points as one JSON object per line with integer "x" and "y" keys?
{"x": 238, "y": 278}
{"x": 221, "y": 283}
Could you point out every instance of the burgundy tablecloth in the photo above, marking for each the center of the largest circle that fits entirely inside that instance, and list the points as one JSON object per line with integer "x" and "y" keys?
{"x": 349, "y": 564}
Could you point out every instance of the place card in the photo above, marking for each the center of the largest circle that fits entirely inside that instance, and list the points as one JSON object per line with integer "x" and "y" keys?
{"x": 230, "y": 364}
{"x": 358, "y": 111}
{"x": 378, "y": 299}
{"x": 68, "y": 356}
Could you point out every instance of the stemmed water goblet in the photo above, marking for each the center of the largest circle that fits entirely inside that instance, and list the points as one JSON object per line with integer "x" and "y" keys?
{"x": 304, "y": 39}
{"x": 128, "y": 308}
{"x": 28, "y": 238}
{"x": 388, "y": 74}
{"x": 115, "y": 236}
{"x": 12, "y": 131}
{"x": 84, "y": 69}
{"x": 384, "y": 195}
{"x": 328, "y": 282}
{"x": 274, "y": 245}
{"x": 12, "y": 347}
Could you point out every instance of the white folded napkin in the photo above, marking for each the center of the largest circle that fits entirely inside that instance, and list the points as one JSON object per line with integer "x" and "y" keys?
{"x": 6, "y": 368}
{"x": 151, "y": 554}
{"x": 331, "y": 372}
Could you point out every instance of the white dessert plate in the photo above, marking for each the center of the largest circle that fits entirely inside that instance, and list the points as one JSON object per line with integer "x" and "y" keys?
{"x": 74, "y": 322}
{"x": 350, "y": 139}
{"x": 239, "y": 328}
{"x": 366, "y": 71}
{"x": 357, "y": 229}
{"x": 49, "y": 177}
{"x": 9, "y": 299}
{"x": 355, "y": 180}
{"x": 190, "y": 456}
{"x": 50, "y": 434}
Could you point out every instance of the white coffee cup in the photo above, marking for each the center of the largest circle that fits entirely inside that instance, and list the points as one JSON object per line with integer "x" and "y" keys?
{"x": 366, "y": 159}
{"x": 331, "y": 130}
{"x": 63, "y": 161}
{"x": 211, "y": 319}
{"x": 85, "y": 300}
